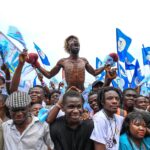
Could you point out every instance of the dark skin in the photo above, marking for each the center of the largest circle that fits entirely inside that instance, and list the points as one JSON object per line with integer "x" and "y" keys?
{"x": 7, "y": 73}
{"x": 74, "y": 67}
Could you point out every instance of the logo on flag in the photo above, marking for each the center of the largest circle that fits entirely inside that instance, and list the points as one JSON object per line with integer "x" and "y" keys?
{"x": 121, "y": 44}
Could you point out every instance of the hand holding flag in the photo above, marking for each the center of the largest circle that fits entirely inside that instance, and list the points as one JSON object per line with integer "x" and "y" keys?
{"x": 43, "y": 57}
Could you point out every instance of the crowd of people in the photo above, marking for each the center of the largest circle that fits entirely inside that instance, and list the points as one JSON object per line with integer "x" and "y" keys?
{"x": 118, "y": 120}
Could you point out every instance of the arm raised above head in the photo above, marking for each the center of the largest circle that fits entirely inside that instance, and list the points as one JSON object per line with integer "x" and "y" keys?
{"x": 17, "y": 74}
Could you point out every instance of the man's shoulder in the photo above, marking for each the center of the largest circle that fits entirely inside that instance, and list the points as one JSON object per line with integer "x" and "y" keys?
{"x": 88, "y": 122}
{"x": 35, "y": 121}
{"x": 119, "y": 118}
{"x": 99, "y": 116}
{"x": 83, "y": 58}
{"x": 87, "y": 125}
{"x": 8, "y": 122}
{"x": 58, "y": 121}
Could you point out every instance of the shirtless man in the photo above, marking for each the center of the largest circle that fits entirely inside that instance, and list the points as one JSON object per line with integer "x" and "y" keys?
{"x": 74, "y": 66}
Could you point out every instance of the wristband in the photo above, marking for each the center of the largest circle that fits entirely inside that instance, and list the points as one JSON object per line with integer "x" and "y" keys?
{"x": 7, "y": 81}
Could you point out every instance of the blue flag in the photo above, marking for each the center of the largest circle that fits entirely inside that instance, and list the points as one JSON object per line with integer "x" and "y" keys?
{"x": 137, "y": 76}
{"x": 146, "y": 55}
{"x": 121, "y": 80}
{"x": 14, "y": 33}
{"x": 99, "y": 64}
{"x": 144, "y": 90}
{"x": 43, "y": 57}
{"x": 10, "y": 54}
{"x": 124, "y": 82}
{"x": 123, "y": 43}
{"x": 34, "y": 81}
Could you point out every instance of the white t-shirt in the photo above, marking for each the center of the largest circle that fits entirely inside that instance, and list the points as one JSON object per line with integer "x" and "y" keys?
{"x": 104, "y": 130}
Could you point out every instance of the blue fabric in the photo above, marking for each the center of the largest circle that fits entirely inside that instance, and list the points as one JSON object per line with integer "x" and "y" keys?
{"x": 146, "y": 55}
{"x": 124, "y": 143}
{"x": 123, "y": 43}
{"x": 137, "y": 76}
{"x": 43, "y": 56}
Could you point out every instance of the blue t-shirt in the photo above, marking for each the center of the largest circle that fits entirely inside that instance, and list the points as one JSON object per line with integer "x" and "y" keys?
{"x": 125, "y": 144}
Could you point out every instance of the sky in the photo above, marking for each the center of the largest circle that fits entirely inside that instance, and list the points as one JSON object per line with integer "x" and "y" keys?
{"x": 49, "y": 22}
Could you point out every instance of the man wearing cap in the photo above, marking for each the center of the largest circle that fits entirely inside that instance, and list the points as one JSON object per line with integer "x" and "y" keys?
{"x": 24, "y": 131}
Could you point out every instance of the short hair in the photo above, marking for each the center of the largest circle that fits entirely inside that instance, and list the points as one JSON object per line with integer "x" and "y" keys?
{"x": 67, "y": 40}
{"x": 97, "y": 82}
{"x": 139, "y": 96}
{"x": 54, "y": 91}
{"x": 128, "y": 89}
{"x": 129, "y": 118}
{"x": 101, "y": 94}
{"x": 39, "y": 86}
{"x": 71, "y": 93}
{"x": 92, "y": 93}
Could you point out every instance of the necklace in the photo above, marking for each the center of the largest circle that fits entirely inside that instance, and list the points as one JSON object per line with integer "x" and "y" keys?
{"x": 113, "y": 134}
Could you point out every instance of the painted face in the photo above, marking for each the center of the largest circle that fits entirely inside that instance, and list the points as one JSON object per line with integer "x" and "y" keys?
{"x": 74, "y": 46}
{"x": 73, "y": 110}
{"x": 129, "y": 98}
{"x": 111, "y": 102}
{"x": 36, "y": 95}
{"x": 93, "y": 102}
{"x": 19, "y": 115}
{"x": 35, "y": 109}
{"x": 54, "y": 98}
{"x": 137, "y": 129}
{"x": 141, "y": 103}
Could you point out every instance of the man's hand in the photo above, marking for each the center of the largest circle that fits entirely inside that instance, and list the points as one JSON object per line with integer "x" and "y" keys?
{"x": 74, "y": 88}
{"x": 23, "y": 56}
{"x": 111, "y": 74}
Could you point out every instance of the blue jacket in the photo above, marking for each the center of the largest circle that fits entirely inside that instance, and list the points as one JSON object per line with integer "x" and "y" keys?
{"x": 124, "y": 143}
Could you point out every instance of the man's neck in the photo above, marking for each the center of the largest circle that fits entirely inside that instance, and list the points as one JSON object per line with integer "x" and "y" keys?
{"x": 23, "y": 126}
{"x": 73, "y": 125}
{"x": 108, "y": 113}
{"x": 72, "y": 56}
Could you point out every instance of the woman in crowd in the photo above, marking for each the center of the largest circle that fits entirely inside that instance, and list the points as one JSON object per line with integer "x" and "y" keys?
{"x": 133, "y": 135}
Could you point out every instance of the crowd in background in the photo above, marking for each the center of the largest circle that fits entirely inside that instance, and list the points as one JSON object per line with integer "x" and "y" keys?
{"x": 46, "y": 119}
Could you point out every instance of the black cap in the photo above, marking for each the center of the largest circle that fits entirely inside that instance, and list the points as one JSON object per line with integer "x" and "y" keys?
{"x": 97, "y": 82}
